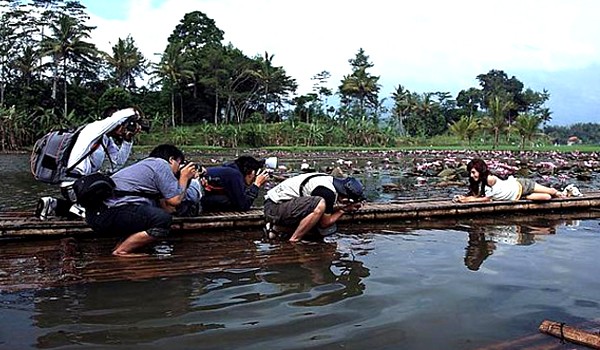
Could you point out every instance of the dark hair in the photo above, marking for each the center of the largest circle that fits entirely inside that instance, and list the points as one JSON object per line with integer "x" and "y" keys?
{"x": 247, "y": 164}
{"x": 166, "y": 151}
{"x": 477, "y": 188}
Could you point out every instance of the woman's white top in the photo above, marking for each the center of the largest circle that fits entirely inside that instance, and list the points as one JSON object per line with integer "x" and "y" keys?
{"x": 504, "y": 190}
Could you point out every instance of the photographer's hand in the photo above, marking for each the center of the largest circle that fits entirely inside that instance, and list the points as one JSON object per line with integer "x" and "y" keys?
{"x": 261, "y": 177}
{"x": 188, "y": 171}
{"x": 128, "y": 135}
{"x": 352, "y": 207}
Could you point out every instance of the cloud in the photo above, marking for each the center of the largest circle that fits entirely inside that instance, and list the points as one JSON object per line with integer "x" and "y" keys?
{"x": 427, "y": 45}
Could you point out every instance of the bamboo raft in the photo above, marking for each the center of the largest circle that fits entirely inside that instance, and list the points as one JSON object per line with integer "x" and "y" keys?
{"x": 23, "y": 225}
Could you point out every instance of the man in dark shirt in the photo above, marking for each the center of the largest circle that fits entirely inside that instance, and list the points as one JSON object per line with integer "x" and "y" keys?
{"x": 233, "y": 186}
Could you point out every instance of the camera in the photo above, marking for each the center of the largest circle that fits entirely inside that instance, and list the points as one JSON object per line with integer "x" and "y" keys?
{"x": 133, "y": 123}
{"x": 197, "y": 166}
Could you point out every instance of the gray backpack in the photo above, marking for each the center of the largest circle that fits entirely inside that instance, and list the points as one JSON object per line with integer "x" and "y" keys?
{"x": 50, "y": 155}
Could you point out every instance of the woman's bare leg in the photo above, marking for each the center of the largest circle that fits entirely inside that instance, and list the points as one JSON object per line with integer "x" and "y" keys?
{"x": 541, "y": 193}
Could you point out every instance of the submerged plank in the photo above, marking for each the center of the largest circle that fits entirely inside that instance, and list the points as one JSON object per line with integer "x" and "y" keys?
{"x": 20, "y": 225}
{"x": 569, "y": 333}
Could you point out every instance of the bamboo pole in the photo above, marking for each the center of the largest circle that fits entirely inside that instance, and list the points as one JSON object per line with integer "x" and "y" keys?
{"x": 574, "y": 335}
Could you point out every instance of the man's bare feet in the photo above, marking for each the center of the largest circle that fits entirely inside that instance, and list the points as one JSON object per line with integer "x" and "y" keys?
{"x": 122, "y": 254}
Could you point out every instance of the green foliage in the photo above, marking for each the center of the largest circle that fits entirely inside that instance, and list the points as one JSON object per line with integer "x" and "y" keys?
{"x": 115, "y": 97}
{"x": 181, "y": 135}
{"x": 359, "y": 89}
{"x": 52, "y": 76}
{"x": 528, "y": 127}
{"x": 126, "y": 63}
{"x": 465, "y": 128}
{"x": 589, "y": 133}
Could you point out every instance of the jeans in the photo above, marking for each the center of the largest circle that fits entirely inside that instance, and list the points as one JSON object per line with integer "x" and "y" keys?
{"x": 128, "y": 219}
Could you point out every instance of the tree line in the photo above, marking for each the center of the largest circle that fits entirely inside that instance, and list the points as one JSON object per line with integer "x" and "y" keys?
{"x": 53, "y": 76}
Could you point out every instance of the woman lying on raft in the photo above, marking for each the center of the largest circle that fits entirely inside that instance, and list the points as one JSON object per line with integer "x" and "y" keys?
{"x": 485, "y": 187}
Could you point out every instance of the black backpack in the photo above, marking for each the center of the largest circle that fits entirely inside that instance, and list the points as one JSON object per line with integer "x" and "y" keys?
{"x": 93, "y": 189}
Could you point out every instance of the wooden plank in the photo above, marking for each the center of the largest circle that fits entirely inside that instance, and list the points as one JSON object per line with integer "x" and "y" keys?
{"x": 571, "y": 334}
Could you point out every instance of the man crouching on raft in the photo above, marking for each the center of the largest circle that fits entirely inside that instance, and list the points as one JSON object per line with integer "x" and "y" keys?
{"x": 310, "y": 201}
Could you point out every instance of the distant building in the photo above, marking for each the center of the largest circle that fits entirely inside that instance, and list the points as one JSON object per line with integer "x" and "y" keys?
{"x": 573, "y": 140}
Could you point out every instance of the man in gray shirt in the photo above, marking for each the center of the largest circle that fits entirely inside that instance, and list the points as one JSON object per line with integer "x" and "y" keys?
{"x": 147, "y": 193}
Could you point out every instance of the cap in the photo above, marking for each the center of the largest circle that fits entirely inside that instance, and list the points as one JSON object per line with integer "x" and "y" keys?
{"x": 349, "y": 187}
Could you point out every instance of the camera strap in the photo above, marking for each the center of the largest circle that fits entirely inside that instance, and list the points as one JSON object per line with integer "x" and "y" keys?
{"x": 305, "y": 181}
{"x": 112, "y": 169}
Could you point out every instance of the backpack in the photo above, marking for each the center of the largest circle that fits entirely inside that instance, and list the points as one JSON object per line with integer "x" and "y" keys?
{"x": 93, "y": 189}
{"x": 50, "y": 155}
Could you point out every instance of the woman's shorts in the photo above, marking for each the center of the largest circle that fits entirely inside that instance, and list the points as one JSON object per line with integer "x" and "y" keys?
{"x": 527, "y": 186}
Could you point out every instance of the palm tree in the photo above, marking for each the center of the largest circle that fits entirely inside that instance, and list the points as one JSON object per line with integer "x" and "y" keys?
{"x": 127, "y": 62}
{"x": 403, "y": 105}
{"x": 527, "y": 126}
{"x": 465, "y": 128}
{"x": 496, "y": 120}
{"x": 361, "y": 86}
{"x": 26, "y": 65}
{"x": 172, "y": 70}
{"x": 67, "y": 44}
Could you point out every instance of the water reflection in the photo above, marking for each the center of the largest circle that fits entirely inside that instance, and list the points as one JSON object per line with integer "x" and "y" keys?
{"x": 253, "y": 288}
{"x": 483, "y": 239}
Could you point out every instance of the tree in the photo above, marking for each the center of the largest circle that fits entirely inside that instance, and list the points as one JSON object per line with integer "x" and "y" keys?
{"x": 199, "y": 39}
{"x": 126, "y": 62}
{"x": 527, "y": 126}
{"x": 403, "y": 106}
{"x": 171, "y": 71}
{"x": 465, "y": 128}
{"x": 496, "y": 119}
{"x": 360, "y": 87}
{"x": 67, "y": 44}
{"x": 469, "y": 101}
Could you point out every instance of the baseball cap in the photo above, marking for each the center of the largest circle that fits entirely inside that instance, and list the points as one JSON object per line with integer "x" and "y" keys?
{"x": 349, "y": 187}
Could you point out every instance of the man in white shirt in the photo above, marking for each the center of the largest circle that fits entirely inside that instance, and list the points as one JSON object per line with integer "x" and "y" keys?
{"x": 303, "y": 202}
{"x": 95, "y": 141}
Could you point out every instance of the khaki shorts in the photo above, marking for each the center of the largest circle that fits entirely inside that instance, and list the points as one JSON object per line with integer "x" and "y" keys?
{"x": 527, "y": 186}
{"x": 290, "y": 213}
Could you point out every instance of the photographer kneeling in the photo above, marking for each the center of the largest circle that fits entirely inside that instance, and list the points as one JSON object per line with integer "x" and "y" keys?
{"x": 148, "y": 192}
{"x": 233, "y": 186}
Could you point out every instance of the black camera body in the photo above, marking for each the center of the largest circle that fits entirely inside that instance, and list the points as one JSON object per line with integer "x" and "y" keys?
{"x": 197, "y": 166}
{"x": 133, "y": 123}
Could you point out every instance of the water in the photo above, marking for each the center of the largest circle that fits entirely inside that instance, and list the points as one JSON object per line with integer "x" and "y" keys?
{"x": 378, "y": 287}
{"x": 454, "y": 284}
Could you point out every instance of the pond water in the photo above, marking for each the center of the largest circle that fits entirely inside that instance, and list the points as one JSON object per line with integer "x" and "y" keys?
{"x": 389, "y": 286}
{"x": 459, "y": 284}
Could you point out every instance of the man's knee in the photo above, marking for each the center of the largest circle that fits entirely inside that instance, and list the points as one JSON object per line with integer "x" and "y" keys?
{"x": 158, "y": 232}
{"x": 162, "y": 219}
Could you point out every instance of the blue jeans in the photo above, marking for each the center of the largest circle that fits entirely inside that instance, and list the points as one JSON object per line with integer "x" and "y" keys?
{"x": 128, "y": 219}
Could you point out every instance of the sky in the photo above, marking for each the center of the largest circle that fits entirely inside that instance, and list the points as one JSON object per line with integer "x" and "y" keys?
{"x": 423, "y": 45}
